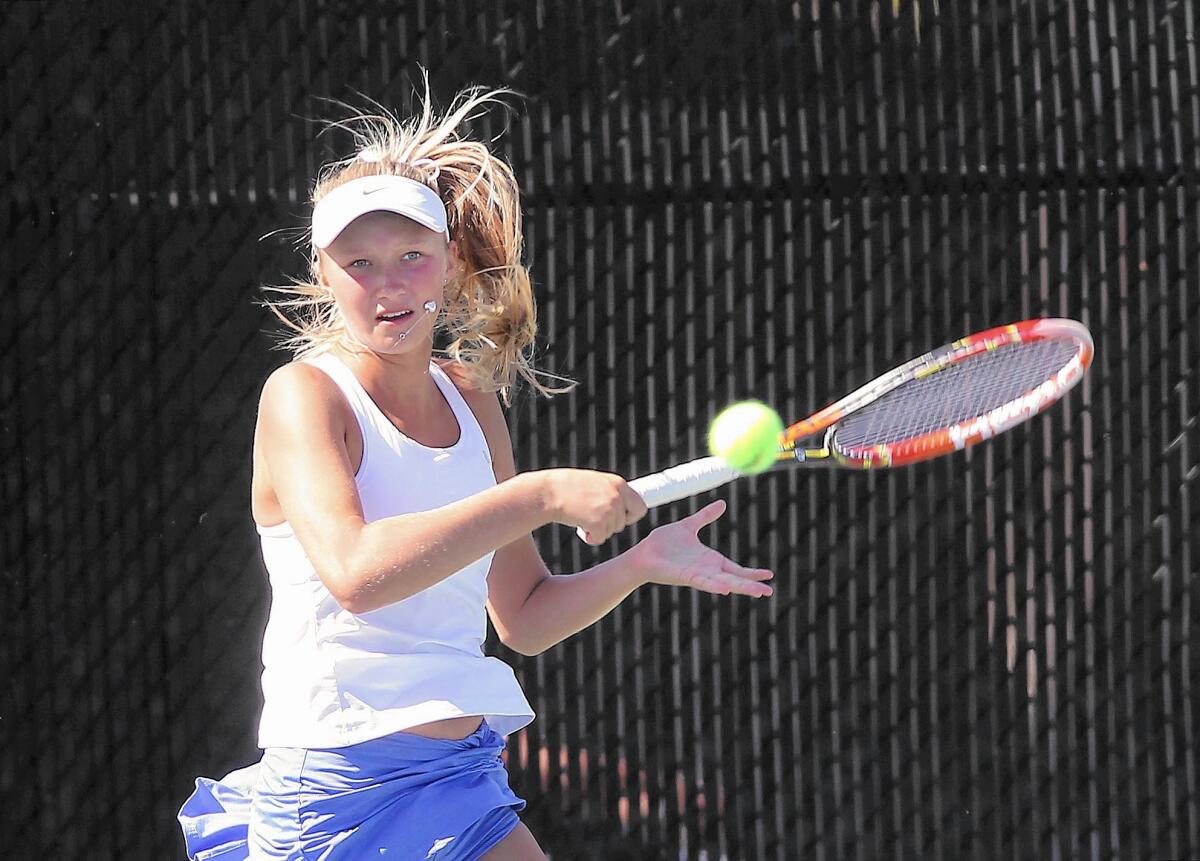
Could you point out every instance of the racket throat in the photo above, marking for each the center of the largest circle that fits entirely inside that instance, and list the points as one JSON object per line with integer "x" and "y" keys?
{"x": 814, "y": 456}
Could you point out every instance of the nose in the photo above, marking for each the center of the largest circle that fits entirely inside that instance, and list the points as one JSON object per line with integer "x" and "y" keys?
{"x": 392, "y": 279}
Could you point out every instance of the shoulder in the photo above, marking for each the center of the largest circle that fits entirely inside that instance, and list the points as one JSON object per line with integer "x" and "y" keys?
{"x": 300, "y": 391}
{"x": 481, "y": 402}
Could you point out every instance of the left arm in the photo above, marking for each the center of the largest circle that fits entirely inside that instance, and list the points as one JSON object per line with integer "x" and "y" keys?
{"x": 558, "y": 606}
{"x": 533, "y": 609}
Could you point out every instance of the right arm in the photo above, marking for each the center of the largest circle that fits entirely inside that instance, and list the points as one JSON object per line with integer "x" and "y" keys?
{"x": 302, "y": 435}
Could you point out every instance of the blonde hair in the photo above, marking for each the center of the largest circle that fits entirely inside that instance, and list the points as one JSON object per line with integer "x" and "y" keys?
{"x": 489, "y": 316}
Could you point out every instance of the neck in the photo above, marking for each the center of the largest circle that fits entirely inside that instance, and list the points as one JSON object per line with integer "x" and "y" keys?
{"x": 401, "y": 380}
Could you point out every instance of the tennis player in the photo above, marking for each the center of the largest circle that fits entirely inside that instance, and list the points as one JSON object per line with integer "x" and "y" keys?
{"x": 394, "y": 523}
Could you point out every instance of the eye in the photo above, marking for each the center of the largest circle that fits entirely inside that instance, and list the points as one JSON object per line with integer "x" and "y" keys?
{"x": 413, "y": 255}
{"x": 360, "y": 263}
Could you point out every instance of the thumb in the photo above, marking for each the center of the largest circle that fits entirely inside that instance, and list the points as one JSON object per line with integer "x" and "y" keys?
{"x": 706, "y": 515}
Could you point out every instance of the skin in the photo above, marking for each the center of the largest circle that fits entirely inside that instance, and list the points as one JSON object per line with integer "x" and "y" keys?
{"x": 308, "y": 447}
{"x": 519, "y": 845}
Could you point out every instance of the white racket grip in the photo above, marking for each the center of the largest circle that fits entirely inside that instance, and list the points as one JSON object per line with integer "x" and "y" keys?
{"x": 687, "y": 479}
{"x": 678, "y": 482}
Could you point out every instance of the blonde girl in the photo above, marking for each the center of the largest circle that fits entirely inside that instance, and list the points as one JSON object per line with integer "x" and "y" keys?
{"x": 394, "y": 522}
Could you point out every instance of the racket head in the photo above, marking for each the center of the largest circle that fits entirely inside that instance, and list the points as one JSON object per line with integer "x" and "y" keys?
{"x": 953, "y": 397}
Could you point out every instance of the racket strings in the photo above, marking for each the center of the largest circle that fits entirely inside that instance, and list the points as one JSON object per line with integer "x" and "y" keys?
{"x": 960, "y": 392}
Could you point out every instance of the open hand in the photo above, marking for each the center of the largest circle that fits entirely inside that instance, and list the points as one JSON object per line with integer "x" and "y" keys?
{"x": 673, "y": 555}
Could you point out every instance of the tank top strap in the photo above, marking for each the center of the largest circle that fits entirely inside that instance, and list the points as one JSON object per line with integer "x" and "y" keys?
{"x": 470, "y": 432}
{"x": 372, "y": 423}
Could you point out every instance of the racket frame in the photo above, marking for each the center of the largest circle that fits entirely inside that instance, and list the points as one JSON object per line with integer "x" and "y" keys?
{"x": 953, "y": 437}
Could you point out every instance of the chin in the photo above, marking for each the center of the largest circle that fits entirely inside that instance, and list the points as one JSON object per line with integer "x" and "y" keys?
{"x": 390, "y": 345}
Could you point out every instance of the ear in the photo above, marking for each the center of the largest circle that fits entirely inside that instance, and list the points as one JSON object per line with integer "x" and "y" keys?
{"x": 452, "y": 260}
{"x": 319, "y": 259}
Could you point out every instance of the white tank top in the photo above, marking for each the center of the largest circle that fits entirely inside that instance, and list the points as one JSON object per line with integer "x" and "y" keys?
{"x": 332, "y": 678}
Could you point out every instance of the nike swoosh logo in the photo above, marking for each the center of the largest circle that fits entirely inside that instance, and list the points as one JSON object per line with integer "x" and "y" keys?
{"x": 367, "y": 191}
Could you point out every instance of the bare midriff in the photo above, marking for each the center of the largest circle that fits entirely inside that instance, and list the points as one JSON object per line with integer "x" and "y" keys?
{"x": 450, "y": 728}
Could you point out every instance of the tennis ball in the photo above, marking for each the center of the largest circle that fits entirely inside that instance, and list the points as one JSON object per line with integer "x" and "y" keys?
{"x": 746, "y": 435}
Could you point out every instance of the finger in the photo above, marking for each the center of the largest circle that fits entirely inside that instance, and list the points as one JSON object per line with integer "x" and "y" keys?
{"x": 597, "y": 533}
{"x": 731, "y": 567}
{"x": 726, "y": 584}
{"x": 616, "y": 520}
{"x": 635, "y": 506}
{"x": 706, "y": 515}
{"x": 726, "y": 576}
{"x": 754, "y": 590}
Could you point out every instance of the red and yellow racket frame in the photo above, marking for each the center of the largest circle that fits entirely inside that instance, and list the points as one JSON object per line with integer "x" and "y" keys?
{"x": 955, "y": 437}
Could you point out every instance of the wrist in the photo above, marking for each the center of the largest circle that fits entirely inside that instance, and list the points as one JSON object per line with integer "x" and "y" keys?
{"x": 635, "y": 567}
{"x": 537, "y": 488}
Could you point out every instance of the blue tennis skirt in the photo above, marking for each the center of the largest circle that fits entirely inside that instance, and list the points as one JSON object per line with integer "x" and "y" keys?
{"x": 402, "y": 796}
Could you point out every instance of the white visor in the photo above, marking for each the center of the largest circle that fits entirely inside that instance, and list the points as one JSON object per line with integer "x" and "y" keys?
{"x": 376, "y": 193}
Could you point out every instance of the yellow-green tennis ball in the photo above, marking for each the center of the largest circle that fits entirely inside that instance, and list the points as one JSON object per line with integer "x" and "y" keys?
{"x": 746, "y": 435}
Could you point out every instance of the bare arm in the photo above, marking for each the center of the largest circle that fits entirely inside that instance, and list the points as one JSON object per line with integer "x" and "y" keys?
{"x": 302, "y": 434}
{"x": 533, "y": 610}
{"x": 558, "y": 606}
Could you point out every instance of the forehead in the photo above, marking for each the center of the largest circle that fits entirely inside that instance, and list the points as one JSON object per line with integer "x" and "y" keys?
{"x": 382, "y": 226}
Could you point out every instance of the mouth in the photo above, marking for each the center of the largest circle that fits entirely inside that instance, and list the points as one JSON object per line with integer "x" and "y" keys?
{"x": 393, "y": 316}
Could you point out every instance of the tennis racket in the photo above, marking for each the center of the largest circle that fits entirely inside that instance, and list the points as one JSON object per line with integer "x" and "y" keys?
{"x": 941, "y": 402}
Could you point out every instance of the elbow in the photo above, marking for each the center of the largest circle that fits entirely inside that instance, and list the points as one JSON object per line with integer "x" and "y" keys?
{"x": 527, "y": 646}
{"x": 359, "y": 590}
{"x": 350, "y": 589}
{"x": 363, "y": 598}
{"x": 353, "y": 603}
{"x": 529, "y": 650}
{"x": 347, "y": 596}
{"x": 524, "y": 630}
